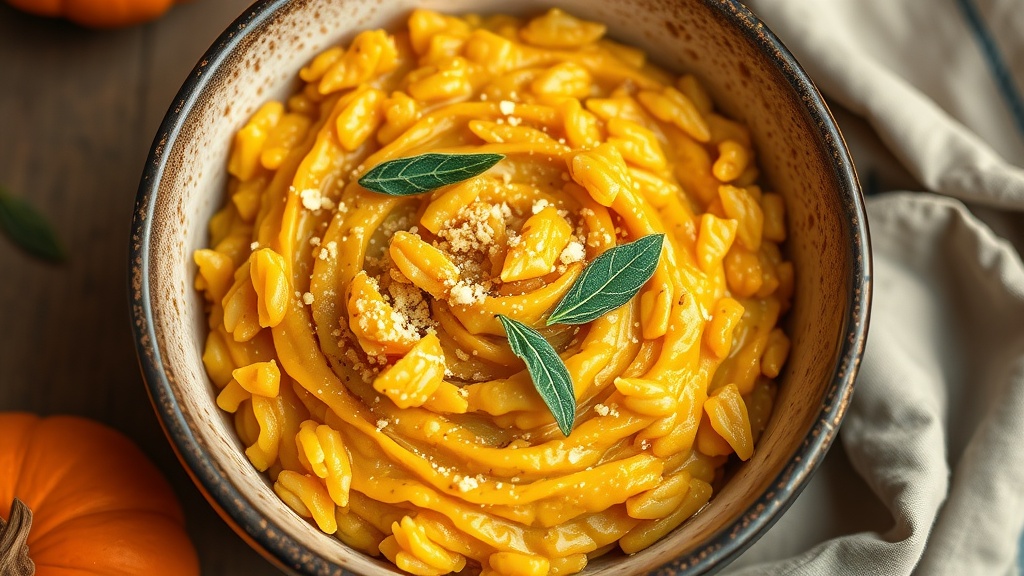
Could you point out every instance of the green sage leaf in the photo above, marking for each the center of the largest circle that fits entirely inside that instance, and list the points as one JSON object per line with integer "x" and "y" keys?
{"x": 609, "y": 281}
{"x": 548, "y": 372}
{"x": 426, "y": 172}
{"x": 28, "y": 229}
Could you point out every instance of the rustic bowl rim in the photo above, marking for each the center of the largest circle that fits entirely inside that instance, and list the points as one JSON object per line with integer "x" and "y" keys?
{"x": 287, "y": 552}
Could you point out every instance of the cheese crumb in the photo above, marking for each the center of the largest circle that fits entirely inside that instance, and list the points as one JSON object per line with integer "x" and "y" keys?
{"x": 254, "y": 246}
{"x": 472, "y": 229}
{"x": 412, "y": 309}
{"x": 307, "y": 298}
{"x": 465, "y": 294}
{"x": 313, "y": 199}
{"x": 573, "y": 252}
{"x": 601, "y": 409}
{"x": 330, "y": 250}
{"x": 539, "y": 205}
{"x": 310, "y": 198}
{"x": 507, "y": 107}
{"x": 381, "y": 424}
{"x": 466, "y": 483}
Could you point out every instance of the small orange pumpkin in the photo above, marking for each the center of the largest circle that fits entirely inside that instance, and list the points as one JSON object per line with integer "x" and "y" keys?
{"x": 97, "y": 13}
{"x": 98, "y": 506}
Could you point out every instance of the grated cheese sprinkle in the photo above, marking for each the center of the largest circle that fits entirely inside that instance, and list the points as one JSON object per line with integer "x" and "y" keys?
{"x": 466, "y": 483}
{"x": 573, "y": 252}
{"x": 466, "y": 294}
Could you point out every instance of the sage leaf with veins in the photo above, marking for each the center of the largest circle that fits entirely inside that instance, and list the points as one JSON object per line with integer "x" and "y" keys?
{"x": 609, "y": 281}
{"x": 426, "y": 172}
{"x": 548, "y": 372}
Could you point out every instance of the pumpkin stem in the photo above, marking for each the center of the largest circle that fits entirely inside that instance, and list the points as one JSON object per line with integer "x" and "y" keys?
{"x": 14, "y": 558}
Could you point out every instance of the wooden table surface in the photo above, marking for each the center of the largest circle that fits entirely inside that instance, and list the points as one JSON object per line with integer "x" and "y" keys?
{"x": 78, "y": 112}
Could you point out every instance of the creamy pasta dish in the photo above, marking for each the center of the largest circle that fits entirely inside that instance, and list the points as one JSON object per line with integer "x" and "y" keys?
{"x": 494, "y": 292}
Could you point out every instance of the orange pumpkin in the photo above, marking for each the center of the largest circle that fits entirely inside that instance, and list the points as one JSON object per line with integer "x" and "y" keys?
{"x": 98, "y": 505}
{"x": 97, "y": 13}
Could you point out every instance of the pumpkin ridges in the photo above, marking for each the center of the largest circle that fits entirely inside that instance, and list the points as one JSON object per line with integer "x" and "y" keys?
{"x": 95, "y": 498}
{"x": 119, "y": 544}
{"x": 97, "y": 461}
{"x": 63, "y": 571}
{"x": 16, "y": 426}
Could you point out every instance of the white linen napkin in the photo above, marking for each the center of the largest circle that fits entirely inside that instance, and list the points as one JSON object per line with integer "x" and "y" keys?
{"x": 929, "y": 477}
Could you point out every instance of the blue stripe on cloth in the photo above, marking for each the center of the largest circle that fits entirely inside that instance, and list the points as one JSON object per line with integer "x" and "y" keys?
{"x": 1020, "y": 554}
{"x": 998, "y": 67}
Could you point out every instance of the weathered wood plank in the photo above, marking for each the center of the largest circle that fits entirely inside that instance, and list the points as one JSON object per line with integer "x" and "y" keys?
{"x": 78, "y": 111}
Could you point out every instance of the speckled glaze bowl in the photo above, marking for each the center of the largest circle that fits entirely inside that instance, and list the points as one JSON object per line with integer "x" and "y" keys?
{"x": 751, "y": 76}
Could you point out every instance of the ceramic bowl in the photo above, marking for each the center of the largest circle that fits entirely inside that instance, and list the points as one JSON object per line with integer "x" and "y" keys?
{"x": 751, "y": 76}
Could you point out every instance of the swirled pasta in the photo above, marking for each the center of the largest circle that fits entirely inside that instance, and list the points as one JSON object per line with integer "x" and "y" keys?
{"x": 353, "y": 334}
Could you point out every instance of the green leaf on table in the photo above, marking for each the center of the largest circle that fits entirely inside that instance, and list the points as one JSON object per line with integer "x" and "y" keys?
{"x": 609, "y": 281}
{"x": 426, "y": 172}
{"x": 28, "y": 229}
{"x": 548, "y": 372}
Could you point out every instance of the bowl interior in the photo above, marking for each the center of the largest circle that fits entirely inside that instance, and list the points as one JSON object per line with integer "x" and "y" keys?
{"x": 751, "y": 79}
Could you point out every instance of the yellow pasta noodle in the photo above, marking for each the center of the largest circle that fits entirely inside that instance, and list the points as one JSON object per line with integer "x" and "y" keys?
{"x": 353, "y": 335}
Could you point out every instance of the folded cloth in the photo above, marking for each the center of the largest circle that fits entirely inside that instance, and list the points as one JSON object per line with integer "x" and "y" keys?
{"x": 929, "y": 478}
